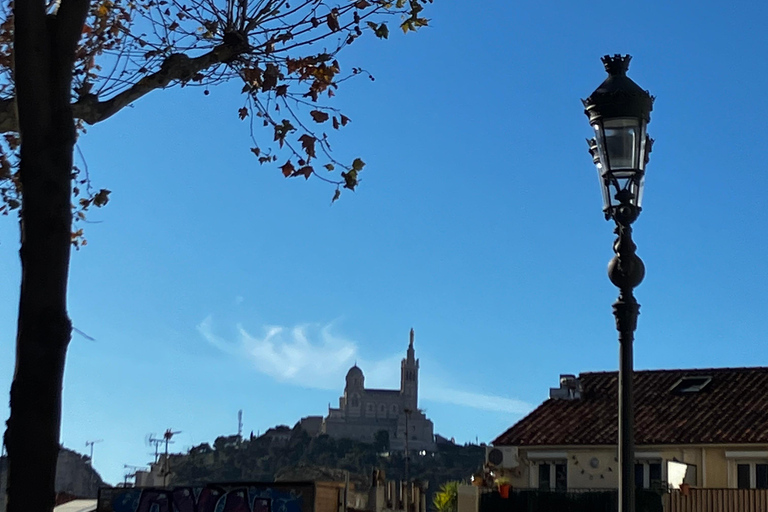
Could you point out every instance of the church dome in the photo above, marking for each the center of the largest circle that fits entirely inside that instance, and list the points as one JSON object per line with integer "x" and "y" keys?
{"x": 355, "y": 371}
{"x": 355, "y": 377}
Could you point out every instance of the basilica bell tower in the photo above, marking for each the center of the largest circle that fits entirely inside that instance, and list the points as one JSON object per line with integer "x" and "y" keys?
{"x": 409, "y": 377}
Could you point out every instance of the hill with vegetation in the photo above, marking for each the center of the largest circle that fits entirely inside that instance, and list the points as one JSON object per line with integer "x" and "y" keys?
{"x": 74, "y": 476}
{"x": 302, "y": 457}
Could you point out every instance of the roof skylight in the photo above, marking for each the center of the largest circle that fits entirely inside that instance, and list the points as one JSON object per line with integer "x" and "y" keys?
{"x": 691, "y": 384}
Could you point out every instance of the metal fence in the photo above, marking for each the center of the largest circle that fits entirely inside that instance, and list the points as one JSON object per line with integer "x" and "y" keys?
{"x": 528, "y": 500}
{"x": 717, "y": 500}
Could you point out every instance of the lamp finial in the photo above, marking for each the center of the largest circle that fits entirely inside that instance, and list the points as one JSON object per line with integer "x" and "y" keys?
{"x": 616, "y": 64}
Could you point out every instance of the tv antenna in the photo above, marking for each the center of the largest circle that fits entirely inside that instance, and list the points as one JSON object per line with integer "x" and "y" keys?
{"x": 129, "y": 474}
{"x": 167, "y": 436}
{"x": 151, "y": 440}
{"x": 90, "y": 444}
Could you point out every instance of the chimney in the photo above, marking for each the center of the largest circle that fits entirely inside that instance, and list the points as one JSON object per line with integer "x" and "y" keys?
{"x": 570, "y": 388}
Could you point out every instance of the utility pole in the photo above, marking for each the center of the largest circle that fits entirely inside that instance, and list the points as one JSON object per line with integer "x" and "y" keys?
{"x": 407, "y": 506}
{"x": 156, "y": 442}
{"x": 91, "y": 443}
{"x": 90, "y": 457}
{"x": 167, "y": 437}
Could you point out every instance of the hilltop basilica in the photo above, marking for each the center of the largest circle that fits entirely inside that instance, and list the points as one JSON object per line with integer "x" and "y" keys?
{"x": 363, "y": 412}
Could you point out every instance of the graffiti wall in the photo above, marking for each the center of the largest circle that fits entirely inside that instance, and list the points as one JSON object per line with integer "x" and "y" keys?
{"x": 211, "y": 498}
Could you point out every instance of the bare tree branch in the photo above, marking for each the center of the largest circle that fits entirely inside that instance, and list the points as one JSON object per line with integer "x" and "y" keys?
{"x": 176, "y": 67}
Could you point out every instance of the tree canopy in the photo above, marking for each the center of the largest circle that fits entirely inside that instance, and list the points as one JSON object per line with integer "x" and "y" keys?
{"x": 303, "y": 457}
{"x": 285, "y": 53}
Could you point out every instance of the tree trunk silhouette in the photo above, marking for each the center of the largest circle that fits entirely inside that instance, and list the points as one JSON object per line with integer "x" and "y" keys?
{"x": 44, "y": 56}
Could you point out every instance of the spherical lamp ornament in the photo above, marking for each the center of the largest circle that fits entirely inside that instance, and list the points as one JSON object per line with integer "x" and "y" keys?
{"x": 619, "y": 112}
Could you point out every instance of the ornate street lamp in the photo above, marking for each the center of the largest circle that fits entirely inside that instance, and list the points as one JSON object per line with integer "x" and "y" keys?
{"x": 619, "y": 111}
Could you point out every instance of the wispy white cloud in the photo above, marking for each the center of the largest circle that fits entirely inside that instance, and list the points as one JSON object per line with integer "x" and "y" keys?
{"x": 314, "y": 356}
{"x": 288, "y": 354}
{"x": 475, "y": 400}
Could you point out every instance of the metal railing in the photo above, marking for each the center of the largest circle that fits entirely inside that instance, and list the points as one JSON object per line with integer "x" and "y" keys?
{"x": 717, "y": 500}
{"x": 581, "y": 500}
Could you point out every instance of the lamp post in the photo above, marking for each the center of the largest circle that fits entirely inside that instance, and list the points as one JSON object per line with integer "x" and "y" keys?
{"x": 619, "y": 111}
{"x": 407, "y": 506}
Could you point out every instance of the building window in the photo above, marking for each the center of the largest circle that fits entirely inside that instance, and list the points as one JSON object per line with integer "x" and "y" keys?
{"x": 752, "y": 475}
{"x": 553, "y": 476}
{"x": 648, "y": 475}
{"x": 369, "y": 407}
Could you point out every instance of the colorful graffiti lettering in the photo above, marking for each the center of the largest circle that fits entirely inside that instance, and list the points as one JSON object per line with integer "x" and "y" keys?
{"x": 211, "y": 498}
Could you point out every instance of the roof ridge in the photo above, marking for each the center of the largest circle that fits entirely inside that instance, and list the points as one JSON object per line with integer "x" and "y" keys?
{"x": 676, "y": 370}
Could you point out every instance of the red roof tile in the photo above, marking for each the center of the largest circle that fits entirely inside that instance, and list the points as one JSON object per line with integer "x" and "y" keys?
{"x": 732, "y": 408}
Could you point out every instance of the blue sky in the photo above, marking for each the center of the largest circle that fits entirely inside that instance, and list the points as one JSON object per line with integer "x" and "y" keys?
{"x": 211, "y": 284}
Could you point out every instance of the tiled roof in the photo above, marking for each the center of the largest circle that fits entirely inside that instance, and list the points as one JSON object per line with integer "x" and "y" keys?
{"x": 732, "y": 408}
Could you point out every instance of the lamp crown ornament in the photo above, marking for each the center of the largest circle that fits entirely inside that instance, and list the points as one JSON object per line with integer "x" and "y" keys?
{"x": 618, "y": 95}
{"x": 616, "y": 64}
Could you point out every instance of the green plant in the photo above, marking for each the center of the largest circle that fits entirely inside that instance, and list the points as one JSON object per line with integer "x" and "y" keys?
{"x": 447, "y": 498}
{"x": 502, "y": 480}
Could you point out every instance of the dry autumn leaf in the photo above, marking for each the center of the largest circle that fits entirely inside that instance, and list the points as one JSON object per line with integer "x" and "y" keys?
{"x": 287, "y": 168}
{"x": 319, "y": 116}
{"x": 308, "y": 143}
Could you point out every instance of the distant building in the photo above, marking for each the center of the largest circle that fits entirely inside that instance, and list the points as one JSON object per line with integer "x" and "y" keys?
{"x": 155, "y": 477}
{"x": 312, "y": 425}
{"x": 707, "y": 428}
{"x": 363, "y": 412}
{"x": 280, "y": 434}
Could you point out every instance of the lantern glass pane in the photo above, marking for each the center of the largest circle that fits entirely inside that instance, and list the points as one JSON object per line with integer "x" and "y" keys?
{"x": 643, "y": 139}
{"x": 628, "y": 183}
{"x": 622, "y": 143}
{"x": 605, "y": 188}
{"x": 603, "y": 168}
{"x": 640, "y": 184}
